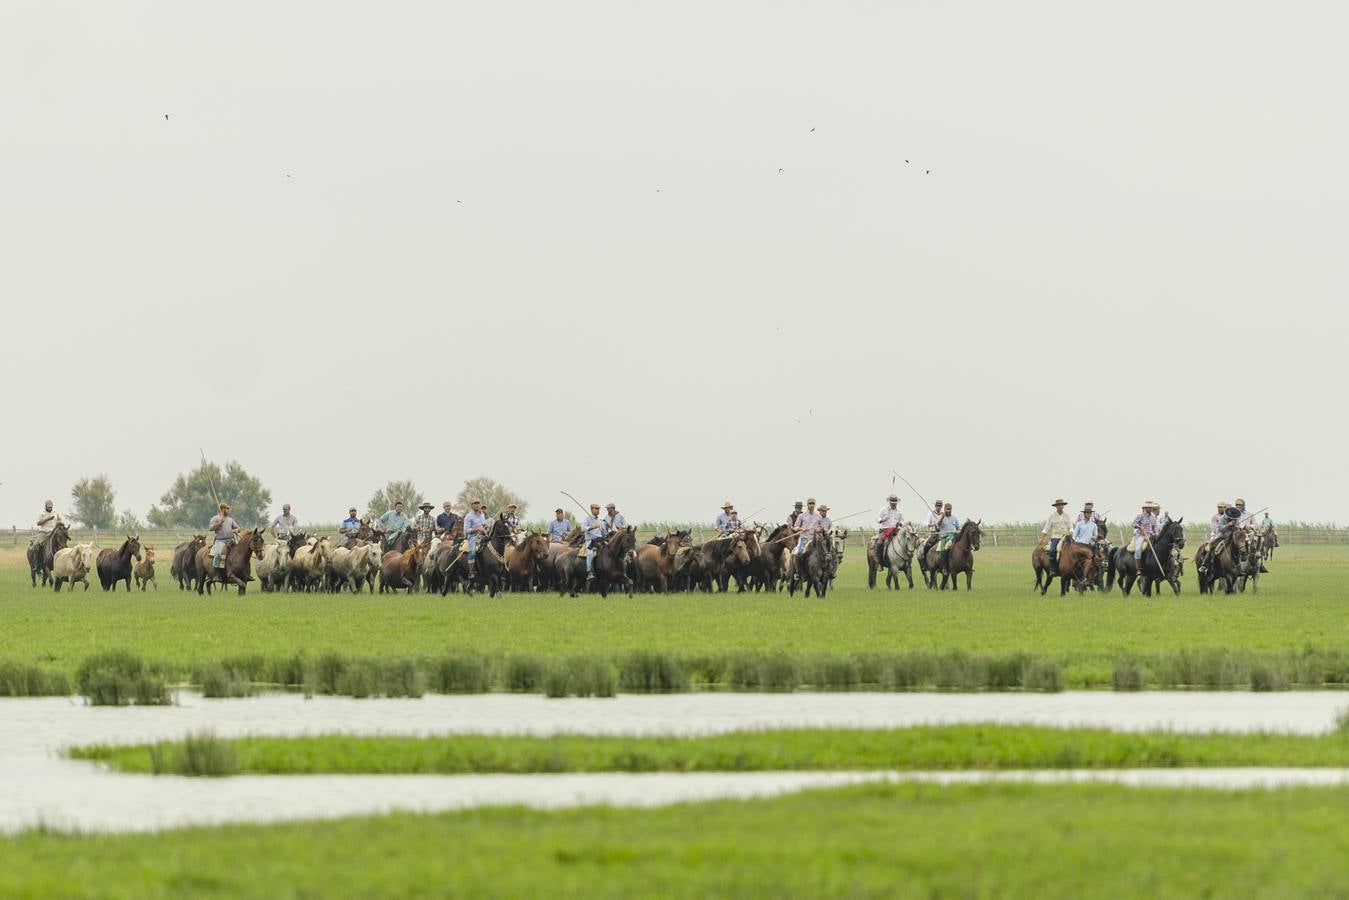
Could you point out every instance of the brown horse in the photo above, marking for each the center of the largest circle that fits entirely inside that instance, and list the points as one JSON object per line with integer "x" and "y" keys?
{"x": 523, "y": 561}
{"x": 40, "y": 556}
{"x": 1078, "y": 566}
{"x": 959, "y": 559}
{"x": 609, "y": 564}
{"x": 655, "y": 561}
{"x": 1041, "y": 564}
{"x": 238, "y": 568}
{"x": 183, "y": 568}
{"x": 402, "y": 570}
{"x": 774, "y": 556}
{"x": 722, "y": 559}
{"x": 115, "y": 565}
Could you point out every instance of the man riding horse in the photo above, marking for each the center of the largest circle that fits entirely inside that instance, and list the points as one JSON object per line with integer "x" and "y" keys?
{"x": 1057, "y": 527}
{"x": 890, "y": 520}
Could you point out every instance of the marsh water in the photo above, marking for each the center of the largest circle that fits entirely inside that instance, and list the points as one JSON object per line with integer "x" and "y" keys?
{"x": 39, "y": 786}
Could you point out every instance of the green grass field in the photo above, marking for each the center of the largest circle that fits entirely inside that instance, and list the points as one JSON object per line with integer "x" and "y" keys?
{"x": 925, "y": 747}
{"x": 1299, "y": 613}
{"x": 869, "y": 841}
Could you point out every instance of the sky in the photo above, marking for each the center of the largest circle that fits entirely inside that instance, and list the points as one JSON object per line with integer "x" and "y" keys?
{"x": 670, "y": 255}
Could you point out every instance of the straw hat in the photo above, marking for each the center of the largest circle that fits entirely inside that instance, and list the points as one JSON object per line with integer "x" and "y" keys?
{"x": 727, "y": 505}
{"x": 1059, "y": 502}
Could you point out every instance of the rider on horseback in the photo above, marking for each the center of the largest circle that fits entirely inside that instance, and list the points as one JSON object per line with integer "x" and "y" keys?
{"x": 348, "y": 527}
{"x": 424, "y": 526}
{"x": 890, "y": 520}
{"x": 475, "y": 529}
{"x": 596, "y": 529}
{"x": 1088, "y": 513}
{"x": 1057, "y": 526}
{"x": 395, "y": 522}
{"x": 47, "y": 520}
{"x": 1145, "y": 526}
{"x": 948, "y": 527}
{"x": 807, "y": 524}
{"x": 723, "y": 519}
{"x": 224, "y": 528}
{"x": 794, "y": 514}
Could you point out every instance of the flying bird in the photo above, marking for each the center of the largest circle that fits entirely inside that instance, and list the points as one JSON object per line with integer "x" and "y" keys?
{"x": 459, "y": 201}
{"x": 928, "y": 172}
{"x": 779, "y": 171}
{"x": 812, "y": 131}
{"x": 906, "y": 162}
{"x": 166, "y": 116}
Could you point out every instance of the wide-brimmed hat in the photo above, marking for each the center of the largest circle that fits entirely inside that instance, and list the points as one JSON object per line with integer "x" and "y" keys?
{"x": 1151, "y": 504}
{"x": 1233, "y": 513}
{"x": 427, "y": 504}
{"x": 1059, "y": 502}
{"x": 727, "y": 505}
{"x": 824, "y": 506}
{"x": 936, "y": 503}
{"x": 893, "y": 498}
{"x": 798, "y": 503}
{"x": 1088, "y": 502}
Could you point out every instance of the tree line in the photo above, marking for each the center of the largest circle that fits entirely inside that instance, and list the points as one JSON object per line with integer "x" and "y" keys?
{"x": 190, "y": 501}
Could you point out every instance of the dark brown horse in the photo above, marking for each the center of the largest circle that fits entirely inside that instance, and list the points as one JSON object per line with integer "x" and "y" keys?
{"x": 722, "y": 559}
{"x": 959, "y": 559}
{"x": 1157, "y": 563}
{"x": 115, "y": 565}
{"x": 238, "y": 562}
{"x": 811, "y": 568}
{"x": 183, "y": 568}
{"x": 610, "y": 565}
{"x": 40, "y": 555}
{"x": 775, "y": 554}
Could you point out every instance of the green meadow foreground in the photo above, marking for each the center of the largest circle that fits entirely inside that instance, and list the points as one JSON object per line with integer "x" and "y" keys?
{"x": 1292, "y": 634}
{"x": 950, "y": 747}
{"x": 874, "y": 840}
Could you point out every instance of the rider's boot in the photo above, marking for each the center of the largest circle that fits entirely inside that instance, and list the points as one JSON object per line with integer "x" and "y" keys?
{"x": 942, "y": 557}
{"x": 1053, "y": 564}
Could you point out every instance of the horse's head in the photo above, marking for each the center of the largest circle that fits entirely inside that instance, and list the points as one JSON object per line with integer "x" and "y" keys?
{"x": 974, "y": 531}
{"x": 133, "y": 546}
{"x": 537, "y": 543}
{"x": 625, "y": 539}
{"x": 253, "y": 542}
{"x": 1175, "y": 531}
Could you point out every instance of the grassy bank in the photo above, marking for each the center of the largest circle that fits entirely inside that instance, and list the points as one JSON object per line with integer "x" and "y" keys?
{"x": 925, "y": 747}
{"x": 1290, "y": 635}
{"x": 892, "y": 840}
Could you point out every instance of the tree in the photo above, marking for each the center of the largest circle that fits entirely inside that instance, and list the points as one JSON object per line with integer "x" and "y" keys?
{"x": 129, "y": 522}
{"x": 94, "y": 502}
{"x": 495, "y": 495}
{"x": 383, "y": 499}
{"x": 188, "y": 503}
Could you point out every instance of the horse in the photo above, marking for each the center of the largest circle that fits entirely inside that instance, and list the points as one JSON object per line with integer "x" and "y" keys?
{"x": 72, "y": 564}
{"x": 401, "y": 570}
{"x": 655, "y": 561}
{"x": 1043, "y": 571}
{"x": 115, "y": 565}
{"x": 238, "y": 562}
{"x": 144, "y": 571}
{"x": 1269, "y": 539}
{"x": 183, "y": 568}
{"x": 959, "y": 559}
{"x": 721, "y": 559}
{"x": 399, "y": 544}
{"x": 1224, "y": 560}
{"x": 1079, "y": 567}
{"x": 812, "y": 567}
{"x": 308, "y": 565}
{"x": 774, "y": 558}
{"x": 274, "y": 567}
{"x": 1252, "y": 563}
{"x": 354, "y": 566}
{"x": 895, "y": 556}
{"x": 40, "y": 556}
{"x": 610, "y": 564}
{"x": 1171, "y": 535}
{"x": 523, "y": 561}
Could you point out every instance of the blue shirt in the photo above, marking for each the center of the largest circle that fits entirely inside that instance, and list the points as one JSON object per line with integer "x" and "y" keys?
{"x": 351, "y": 524}
{"x": 1084, "y": 532}
{"x": 720, "y": 522}
{"x": 594, "y": 527}
{"x": 445, "y": 521}
{"x": 617, "y": 521}
{"x": 474, "y": 520}
{"x": 949, "y": 525}
{"x": 558, "y": 528}
{"x": 394, "y": 521}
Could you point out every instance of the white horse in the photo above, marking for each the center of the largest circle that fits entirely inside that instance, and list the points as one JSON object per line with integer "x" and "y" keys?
{"x": 897, "y": 557}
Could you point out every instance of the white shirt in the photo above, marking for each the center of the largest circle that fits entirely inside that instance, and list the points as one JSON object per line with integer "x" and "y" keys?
{"x": 1057, "y": 525}
{"x": 890, "y": 517}
{"x": 932, "y": 521}
{"x": 50, "y": 523}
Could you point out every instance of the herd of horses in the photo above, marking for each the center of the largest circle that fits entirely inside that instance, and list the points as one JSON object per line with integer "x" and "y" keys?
{"x": 757, "y": 559}
{"x": 1229, "y": 565}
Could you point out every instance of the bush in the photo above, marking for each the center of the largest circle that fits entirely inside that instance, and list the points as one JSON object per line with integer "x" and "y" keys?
{"x": 198, "y": 755}
{"x": 461, "y": 673}
{"x": 1127, "y": 675}
{"x": 119, "y": 678}
{"x": 217, "y": 681}
{"x": 1044, "y": 675}
{"x": 524, "y": 673}
{"x": 1268, "y": 678}
{"x": 652, "y": 672}
{"x": 582, "y": 676}
{"x": 20, "y": 680}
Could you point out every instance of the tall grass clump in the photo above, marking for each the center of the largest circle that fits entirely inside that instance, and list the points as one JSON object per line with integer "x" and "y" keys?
{"x": 120, "y": 678}
{"x": 652, "y": 672}
{"x": 217, "y": 681}
{"x": 461, "y": 673}
{"x": 22, "y": 680}
{"x": 524, "y": 673}
{"x": 202, "y": 755}
{"x": 1268, "y": 677}
{"x": 1127, "y": 675}
{"x": 1043, "y": 675}
{"x": 580, "y": 676}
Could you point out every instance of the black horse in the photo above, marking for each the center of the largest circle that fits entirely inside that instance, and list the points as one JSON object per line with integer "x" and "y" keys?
{"x": 40, "y": 555}
{"x": 1158, "y": 562}
{"x": 115, "y": 565}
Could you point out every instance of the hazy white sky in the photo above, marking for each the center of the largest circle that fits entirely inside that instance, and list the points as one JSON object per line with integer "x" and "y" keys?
{"x": 551, "y": 243}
